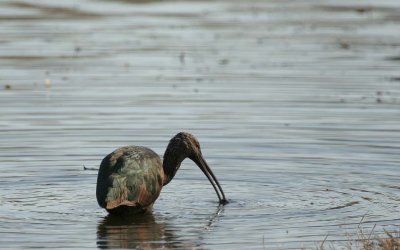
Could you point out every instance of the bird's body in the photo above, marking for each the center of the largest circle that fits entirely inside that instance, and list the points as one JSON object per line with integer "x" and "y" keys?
{"x": 130, "y": 179}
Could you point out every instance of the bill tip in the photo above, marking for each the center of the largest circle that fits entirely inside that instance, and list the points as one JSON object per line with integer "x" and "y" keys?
{"x": 223, "y": 202}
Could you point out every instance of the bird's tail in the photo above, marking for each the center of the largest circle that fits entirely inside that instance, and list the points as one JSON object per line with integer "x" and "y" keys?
{"x": 118, "y": 193}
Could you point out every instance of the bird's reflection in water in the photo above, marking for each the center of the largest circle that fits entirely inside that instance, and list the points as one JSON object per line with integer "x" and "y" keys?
{"x": 214, "y": 218}
{"x": 146, "y": 232}
{"x": 142, "y": 232}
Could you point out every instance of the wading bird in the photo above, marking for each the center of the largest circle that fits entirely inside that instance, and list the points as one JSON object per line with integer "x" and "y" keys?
{"x": 130, "y": 178}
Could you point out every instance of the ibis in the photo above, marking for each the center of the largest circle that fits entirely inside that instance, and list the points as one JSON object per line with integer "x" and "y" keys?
{"x": 130, "y": 179}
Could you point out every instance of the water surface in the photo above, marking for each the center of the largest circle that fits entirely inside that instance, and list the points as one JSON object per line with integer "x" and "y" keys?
{"x": 295, "y": 104}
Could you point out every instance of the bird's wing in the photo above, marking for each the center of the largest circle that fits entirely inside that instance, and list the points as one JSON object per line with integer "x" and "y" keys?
{"x": 130, "y": 176}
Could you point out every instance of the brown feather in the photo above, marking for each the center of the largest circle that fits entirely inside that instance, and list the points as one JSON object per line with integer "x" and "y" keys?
{"x": 130, "y": 177}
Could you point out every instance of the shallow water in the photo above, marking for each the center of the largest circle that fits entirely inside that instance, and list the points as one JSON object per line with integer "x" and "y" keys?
{"x": 296, "y": 106}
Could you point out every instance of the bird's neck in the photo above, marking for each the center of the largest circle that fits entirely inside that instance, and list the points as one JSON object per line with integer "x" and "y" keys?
{"x": 171, "y": 163}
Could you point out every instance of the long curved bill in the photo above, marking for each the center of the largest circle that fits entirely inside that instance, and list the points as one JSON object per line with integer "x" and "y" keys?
{"x": 213, "y": 180}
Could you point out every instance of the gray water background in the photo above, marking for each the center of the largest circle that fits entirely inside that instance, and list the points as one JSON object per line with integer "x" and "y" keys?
{"x": 295, "y": 103}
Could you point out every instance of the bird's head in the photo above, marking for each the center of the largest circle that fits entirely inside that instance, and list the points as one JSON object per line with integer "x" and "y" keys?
{"x": 185, "y": 145}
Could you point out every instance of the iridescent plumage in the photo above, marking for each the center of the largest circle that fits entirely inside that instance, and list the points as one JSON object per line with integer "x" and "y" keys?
{"x": 130, "y": 178}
